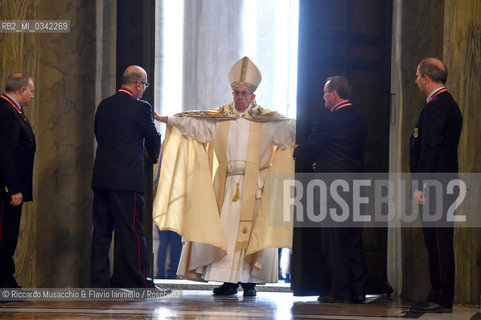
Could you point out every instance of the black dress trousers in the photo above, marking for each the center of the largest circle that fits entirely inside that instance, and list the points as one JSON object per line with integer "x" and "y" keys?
{"x": 122, "y": 210}
{"x": 9, "y": 228}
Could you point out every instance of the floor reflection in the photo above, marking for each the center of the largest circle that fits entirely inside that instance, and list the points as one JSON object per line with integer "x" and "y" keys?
{"x": 188, "y": 304}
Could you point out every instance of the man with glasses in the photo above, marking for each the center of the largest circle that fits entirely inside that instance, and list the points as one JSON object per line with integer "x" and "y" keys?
{"x": 124, "y": 124}
{"x": 224, "y": 224}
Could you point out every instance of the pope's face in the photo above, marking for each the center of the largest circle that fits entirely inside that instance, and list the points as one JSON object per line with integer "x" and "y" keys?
{"x": 242, "y": 98}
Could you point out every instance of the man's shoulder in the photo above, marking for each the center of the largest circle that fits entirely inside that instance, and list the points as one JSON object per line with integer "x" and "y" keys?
{"x": 4, "y": 102}
{"x": 6, "y": 108}
{"x": 351, "y": 111}
{"x": 348, "y": 118}
{"x": 443, "y": 104}
{"x": 124, "y": 98}
{"x": 443, "y": 99}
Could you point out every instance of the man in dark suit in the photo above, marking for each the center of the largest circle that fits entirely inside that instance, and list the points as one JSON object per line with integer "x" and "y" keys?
{"x": 123, "y": 126}
{"x": 434, "y": 150}
{"x": 337, "y": 145}
{"x": 17, "y": 150}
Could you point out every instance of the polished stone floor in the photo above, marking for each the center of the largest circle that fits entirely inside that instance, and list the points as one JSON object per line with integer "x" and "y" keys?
{"x": 201, "y": 304}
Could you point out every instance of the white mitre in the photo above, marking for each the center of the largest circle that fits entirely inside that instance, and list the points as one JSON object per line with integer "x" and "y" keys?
{"x": 244, "y": 73}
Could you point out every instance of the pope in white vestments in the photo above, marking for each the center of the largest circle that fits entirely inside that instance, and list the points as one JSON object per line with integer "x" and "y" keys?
{"x": 216, "y": 168}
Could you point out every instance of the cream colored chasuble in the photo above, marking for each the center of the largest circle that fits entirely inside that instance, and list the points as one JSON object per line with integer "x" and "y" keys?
{"x": 242, "y": 147}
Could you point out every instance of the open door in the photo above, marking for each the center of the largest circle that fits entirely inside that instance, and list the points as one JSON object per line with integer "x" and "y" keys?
{"x": 351, "y": 38}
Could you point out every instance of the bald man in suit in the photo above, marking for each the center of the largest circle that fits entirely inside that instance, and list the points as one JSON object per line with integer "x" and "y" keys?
{"x": 434, "y": 155}
{"x": 124, "y": 125}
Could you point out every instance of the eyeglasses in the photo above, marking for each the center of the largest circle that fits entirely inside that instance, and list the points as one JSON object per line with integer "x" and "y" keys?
{"x": 242, "y": 93}
{"x": 146, "y": 84}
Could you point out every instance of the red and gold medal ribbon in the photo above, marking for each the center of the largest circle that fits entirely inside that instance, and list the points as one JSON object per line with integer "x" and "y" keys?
{"x": 344, "y": 104}
{"x": 4, "y": 96}
{"x": 437, "y": 93}
{"x": 127, "y": 91}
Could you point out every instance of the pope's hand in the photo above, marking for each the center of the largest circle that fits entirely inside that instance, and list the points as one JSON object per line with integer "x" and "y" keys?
{"x": 160, "y": 118}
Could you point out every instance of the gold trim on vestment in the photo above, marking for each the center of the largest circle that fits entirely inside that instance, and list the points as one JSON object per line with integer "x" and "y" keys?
{"x": 228, "y": 112}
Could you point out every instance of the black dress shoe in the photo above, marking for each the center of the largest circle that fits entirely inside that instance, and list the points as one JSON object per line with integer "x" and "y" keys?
{"x": 249, "y": 289}
{"x": 431, "y": 307}
{"x": 9, "y": 282}
{"x": 358, "y": 299}
{"x": 227, "y": 288}
{"x": 250, "y": 292}
{"x": 331, "y": 299}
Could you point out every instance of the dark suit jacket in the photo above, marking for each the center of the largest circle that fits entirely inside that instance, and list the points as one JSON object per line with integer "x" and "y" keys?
{"x": 123, "y": 125}
{"x": 17, "y": 151}
{"x": 435, "y": 139}
{"x": 337, "y": 142}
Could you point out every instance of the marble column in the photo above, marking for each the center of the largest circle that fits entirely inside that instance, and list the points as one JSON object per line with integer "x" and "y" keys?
{"x": 418, "y": 40}
{"x": 66, "y": 91}
{"x": 462, "y": 55}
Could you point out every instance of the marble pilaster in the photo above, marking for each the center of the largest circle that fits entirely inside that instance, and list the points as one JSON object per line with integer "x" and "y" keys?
{"x": 418, "y": 40}
{"x": 462, "y": 55}
{"x": 65, "y": 154}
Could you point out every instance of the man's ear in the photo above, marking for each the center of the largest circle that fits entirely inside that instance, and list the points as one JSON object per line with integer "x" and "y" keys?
{"x": 253, "y": 96}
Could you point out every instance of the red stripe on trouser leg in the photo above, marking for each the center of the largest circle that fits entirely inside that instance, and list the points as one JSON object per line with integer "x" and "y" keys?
{"x": 138, "y": 240}
{"x": 439, "y": 266}
{"x": 333, "y": 282}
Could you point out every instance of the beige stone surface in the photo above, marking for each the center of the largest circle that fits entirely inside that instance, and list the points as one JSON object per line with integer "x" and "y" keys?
{"x": 462, "y": 55}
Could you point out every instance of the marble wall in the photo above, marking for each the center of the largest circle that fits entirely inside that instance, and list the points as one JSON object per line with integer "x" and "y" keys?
{"x": 462, "y": 55}
{"x": 65, "y": 133}
{"x": 54, "y": 245}
{"x": 419, "y": 40}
